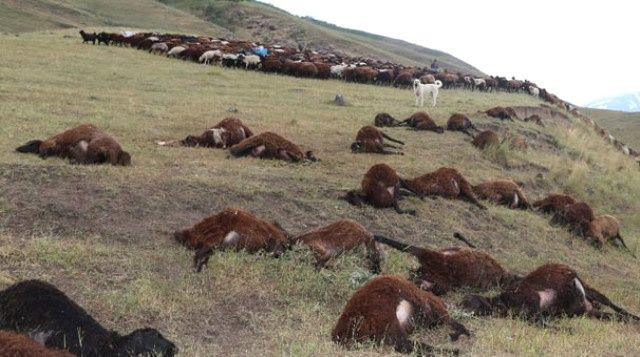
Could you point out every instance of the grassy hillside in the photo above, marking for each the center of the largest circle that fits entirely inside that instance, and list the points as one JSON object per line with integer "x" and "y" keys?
{"x": 622, "y": 125}
{"x": 104, "y": 234}
{"x": 35, "y": 15}
{"x": 258, "y": 21}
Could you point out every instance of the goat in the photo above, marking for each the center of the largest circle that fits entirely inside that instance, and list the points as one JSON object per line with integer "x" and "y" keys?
{"x": 232, "y": 228}
{"x": 453, "y": 268}
{"x": 445, "y": 182}
{"x": 341, "y": 236}
{"x": 88, "y": 37}
{"x": 421, "y": 121}
{"x": 380, "y": 188}
{"x": 386, "y": 310}
{"x": 604, "y": 228}
{"x": 46, "y": 314}
{"x": 84, "y": 144}
{"x": 369, "y": 139}
{"x": 554, "y": 202}
{"x": 552, "y": 290}
{"x": 502, "y": 192}
{"x": 460, "y": 122}
{"x": 419, "y": 90}
{"x": 18, "y": 345}
{"x": 486, "y": 139}
{"x": 384, "y": 119}
{"x": 270, "y": 145}
{"x": 228, "y": 132}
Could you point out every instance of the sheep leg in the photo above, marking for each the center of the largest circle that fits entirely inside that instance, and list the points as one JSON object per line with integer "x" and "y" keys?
{"x": 401, "y": 211}
{"x": 391, "y": 139}
{"x": 594, "y": 295}
{"x": 389, "y": 152}
{"x": 458, "y": 330}
{"x": 373, "y": 256}
{"x": 391, "y": 146}
{"x": 201, "y": 258}
{"x": 619, "y": 237}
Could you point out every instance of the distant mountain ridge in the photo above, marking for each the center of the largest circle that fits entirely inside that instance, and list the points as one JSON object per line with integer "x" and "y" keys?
{"x": 629, "y": 102}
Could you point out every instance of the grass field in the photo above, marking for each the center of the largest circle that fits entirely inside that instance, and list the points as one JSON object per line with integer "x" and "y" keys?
{"x": 104, "y": 234}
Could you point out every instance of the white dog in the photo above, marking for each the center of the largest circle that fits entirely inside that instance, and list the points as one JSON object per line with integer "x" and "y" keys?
{"x": 420, "y": 90}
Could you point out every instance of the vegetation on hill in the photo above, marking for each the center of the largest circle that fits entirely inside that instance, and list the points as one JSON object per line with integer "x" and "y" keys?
{"x": 104, "y": 234}
{"x": 35, "y": 15}
{"x": 622, "y": 125}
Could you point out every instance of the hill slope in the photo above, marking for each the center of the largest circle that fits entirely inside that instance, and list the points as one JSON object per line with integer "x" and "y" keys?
{"x": 34, "y": 15}
{"x": 104, "y": 234}
{"x": 261, "y": 22}
{"x": 625, "y": 126}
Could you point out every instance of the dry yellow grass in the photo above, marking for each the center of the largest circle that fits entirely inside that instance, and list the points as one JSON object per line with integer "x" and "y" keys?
{"x": 103, "y": 234}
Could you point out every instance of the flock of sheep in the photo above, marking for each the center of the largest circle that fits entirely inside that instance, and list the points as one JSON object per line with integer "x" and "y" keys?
{"x": 387, "y": 308}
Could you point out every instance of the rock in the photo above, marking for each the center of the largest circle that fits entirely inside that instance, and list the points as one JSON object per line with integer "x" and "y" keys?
{"x": 339, "y": 100}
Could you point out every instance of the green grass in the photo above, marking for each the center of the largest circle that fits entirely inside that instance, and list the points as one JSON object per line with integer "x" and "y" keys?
{"x": 103, "y": 234}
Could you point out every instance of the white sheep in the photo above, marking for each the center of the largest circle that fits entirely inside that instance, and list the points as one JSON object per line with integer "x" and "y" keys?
{"x": 176, "y": 51}
{"x": 336, "y": 71}
{"x": 159, "y": 47}
{"x": 211, "y": 55}
{"x": 534, "y": 91}
{"x": 252, "y": 61}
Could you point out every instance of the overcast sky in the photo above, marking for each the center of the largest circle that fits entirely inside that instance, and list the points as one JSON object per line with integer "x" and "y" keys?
{"x": 579, "y": 50}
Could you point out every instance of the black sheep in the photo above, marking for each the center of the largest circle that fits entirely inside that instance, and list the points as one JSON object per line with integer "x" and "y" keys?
{"x": 46, "y": 314}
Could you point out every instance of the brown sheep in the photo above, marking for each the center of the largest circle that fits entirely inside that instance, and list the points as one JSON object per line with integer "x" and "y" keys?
{"x": 403, "y": 79}
{"x": 535, "y": 118}
{"x": 324, "y": 70}
{"x": 386, "y": 310}
{"x": 502, "y": 192}
{"x": 227, "y": 132}
{"x": 307, "y": 70}
{"x": 460, "y": 122}
{"x": 380, "y": 188}
{"x": 232, "y": 228}
{"x": 485, "y": 139}
{"x": 606, "y": 228}
{"x": 384, "y": 119}
{"x": 576, "y": 217}
{"x": 341, "y": 236}
{"x": 518, "y": 142}
{"x": 453, "y": 268}
{"x": 445, "y": 182}
{"x": 17, "y": 345}
{"x": 554, "y": 202}
{"x": 84, "y": 144}
{"x": 552, "y": 290}
{"x": 369, "y": 139}
{"x": 428, "y": 79}
{"x": 501, "y": 113}
{"x": 270, "y": 145}
{"x": 421, "y": 121}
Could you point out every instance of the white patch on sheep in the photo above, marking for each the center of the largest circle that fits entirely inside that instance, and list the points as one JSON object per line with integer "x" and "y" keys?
{"x": 547, "y": 297}
{"x": 404, "y": 311}
{"x": 40, "y": 336}
{"x": 231, "y": 238}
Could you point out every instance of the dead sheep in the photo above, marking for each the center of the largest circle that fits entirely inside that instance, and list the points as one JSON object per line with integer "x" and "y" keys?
{"x": 386, "y": 310}
{"x": 234, "y": 229}
{"x": 344, "y": 235}
{"x": 380, "y": 188}
{"x": 445, "y": 182}
{"x": 453, "y": 268}
{"x": 270, "y": 145}
{"x": 372, "y": 140}
{"x": 552, "y": 290}
{"x": 505, "y": 192}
